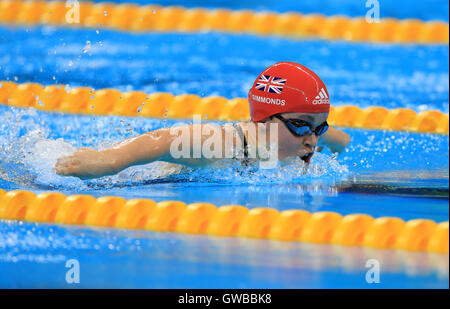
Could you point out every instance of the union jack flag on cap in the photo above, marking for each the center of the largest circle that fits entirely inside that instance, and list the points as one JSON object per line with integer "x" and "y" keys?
{"x": 269, "y": 83}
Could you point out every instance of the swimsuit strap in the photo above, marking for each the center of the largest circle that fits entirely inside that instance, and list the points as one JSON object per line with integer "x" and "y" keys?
{"x": 242, "y": 137}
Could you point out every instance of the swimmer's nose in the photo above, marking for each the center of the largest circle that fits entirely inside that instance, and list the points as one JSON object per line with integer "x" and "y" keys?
{"x": 310, "y": 141}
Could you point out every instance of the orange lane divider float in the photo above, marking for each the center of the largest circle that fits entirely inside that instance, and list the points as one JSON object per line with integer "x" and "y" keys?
{"x": 85, "y": 100}
{"x": 227, "y": 221}
{"x": 133, "y": 17}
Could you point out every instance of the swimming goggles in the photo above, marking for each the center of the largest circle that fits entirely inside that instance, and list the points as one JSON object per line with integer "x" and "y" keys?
{"x": 301, "y": 128}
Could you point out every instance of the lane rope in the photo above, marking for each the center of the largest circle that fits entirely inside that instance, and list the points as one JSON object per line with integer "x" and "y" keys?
{"x": 137, "y": 18}
{"x": 227, "y": 221}
{"x": 84, "y": 100}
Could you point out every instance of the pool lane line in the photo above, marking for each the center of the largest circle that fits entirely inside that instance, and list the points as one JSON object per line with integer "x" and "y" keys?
{"x": 137, "y": 18}
{"x": 379, "y": 188}
{"x": 323, "y": 227}
{"x": 84, "y": 100}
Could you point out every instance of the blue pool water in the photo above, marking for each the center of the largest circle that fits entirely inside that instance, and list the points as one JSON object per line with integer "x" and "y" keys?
{"x": 35, "y": 256}
{"x": 355, "y": 73}
{"x": 381, "y": 173}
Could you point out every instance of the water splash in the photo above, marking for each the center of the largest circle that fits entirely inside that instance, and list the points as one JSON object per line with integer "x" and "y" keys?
{"x": 87, "y": 47}
{"x": 31, "y": 141}
{"x": 28, "y": 156}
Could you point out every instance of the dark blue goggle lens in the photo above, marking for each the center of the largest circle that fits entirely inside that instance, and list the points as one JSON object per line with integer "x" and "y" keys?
{"x": 303, "y": 128}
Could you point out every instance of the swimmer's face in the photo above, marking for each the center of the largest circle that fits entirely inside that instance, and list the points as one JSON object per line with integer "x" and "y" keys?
{"x": 290, "y": 145}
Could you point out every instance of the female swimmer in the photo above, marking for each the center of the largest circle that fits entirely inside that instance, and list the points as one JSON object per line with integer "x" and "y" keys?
{"x": 287, "y": 99}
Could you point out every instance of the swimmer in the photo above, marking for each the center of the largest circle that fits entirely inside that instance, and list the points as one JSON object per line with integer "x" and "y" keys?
{"x": 286, "y": 96}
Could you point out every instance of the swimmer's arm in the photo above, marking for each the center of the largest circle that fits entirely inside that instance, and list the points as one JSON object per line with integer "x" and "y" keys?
{"x": 336, "y": 140}
{"x": 156, "y": 146}
{"x": 143, "y": 149}
{"x": 89, "y": 163}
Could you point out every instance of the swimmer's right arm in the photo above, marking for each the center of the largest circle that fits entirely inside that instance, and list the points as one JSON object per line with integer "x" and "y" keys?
{"x": 88, "y": 163}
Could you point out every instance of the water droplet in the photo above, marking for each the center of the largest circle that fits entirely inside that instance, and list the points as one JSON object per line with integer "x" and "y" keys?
{"x": 87, "y": 47}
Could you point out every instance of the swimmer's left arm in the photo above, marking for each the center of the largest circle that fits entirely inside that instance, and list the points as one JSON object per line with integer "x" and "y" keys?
{"x": 336, "y": 140}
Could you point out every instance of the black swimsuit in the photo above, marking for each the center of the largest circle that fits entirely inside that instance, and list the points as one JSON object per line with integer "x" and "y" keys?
{"x": 242, "y": 137}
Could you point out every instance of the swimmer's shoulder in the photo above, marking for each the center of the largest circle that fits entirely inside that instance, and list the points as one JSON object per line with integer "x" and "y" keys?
{"x": 236, "y": 129}
{"x": 233, "y": 126}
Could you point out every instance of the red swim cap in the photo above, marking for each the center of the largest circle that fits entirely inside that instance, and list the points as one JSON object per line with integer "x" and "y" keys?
{"x": 287, "y": 87}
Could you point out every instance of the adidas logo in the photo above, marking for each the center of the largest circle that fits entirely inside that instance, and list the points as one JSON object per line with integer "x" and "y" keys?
{"x": 321, "y": 98}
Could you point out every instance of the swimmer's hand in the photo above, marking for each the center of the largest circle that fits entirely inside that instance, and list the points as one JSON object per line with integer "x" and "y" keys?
{"x": 85, "y": 163}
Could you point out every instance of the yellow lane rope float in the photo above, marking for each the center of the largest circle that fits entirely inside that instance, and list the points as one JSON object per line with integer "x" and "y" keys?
{"x": 85, "y": 100}
{"x": 227, "y": 221}
{"x": 132, "y": 17}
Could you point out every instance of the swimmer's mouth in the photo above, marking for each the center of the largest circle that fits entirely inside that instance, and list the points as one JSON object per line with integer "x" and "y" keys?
{"x": 307, "y": 157}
